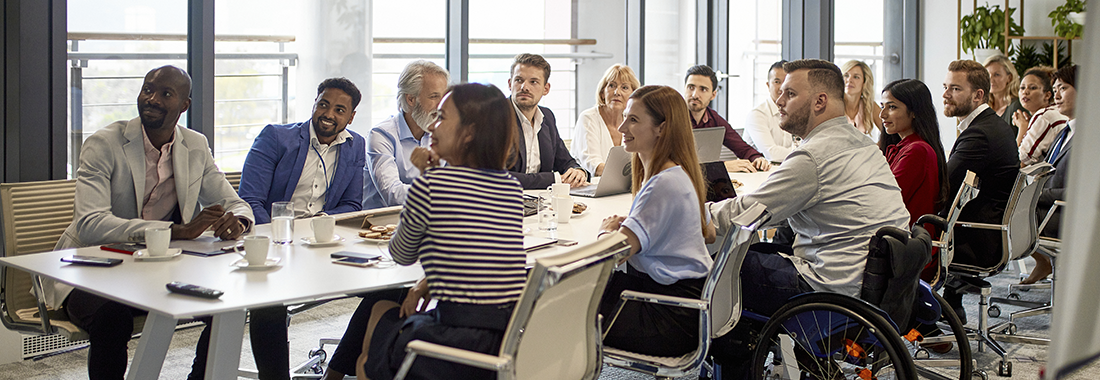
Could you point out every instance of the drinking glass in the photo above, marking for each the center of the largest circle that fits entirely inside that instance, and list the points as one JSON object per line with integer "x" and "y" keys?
{"x": 282, "y": 222}
{"x": 548, "y": 219}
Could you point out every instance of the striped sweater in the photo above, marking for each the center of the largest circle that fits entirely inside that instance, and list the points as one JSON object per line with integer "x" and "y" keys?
{"x": 466, "y": 227}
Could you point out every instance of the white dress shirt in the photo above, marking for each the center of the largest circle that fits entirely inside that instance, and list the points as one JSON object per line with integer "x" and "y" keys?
{"x": 965, "y": 123}
{"x": 389, "y": 171}
{"x": 763, "y": 133}
{"x": 531, "y": 138}
{"x": 317, "y": 172}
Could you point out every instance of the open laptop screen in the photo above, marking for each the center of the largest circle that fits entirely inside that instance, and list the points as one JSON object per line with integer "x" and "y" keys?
{"x": 719, "y": 186}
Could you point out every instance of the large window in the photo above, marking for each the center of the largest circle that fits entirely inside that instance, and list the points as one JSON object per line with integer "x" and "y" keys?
{"x": 858, "y": 35}
{"x": 755, "y": 43}
{"x": 398, "y": 41}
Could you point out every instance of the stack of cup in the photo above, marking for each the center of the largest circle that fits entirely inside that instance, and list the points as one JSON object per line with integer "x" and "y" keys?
{"x": 561, "y": 201}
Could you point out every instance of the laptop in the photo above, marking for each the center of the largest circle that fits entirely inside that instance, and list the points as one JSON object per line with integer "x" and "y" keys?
{"x": 615, "y": 179}
{"x": 708, "y": 143}
{"x": 719, "y": 185}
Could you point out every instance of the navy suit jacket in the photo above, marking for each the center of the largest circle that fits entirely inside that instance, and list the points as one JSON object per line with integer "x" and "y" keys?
{"x": 988, "y": 148}
{"x": 553, "y": 154}
{"x": 274, "y": 165}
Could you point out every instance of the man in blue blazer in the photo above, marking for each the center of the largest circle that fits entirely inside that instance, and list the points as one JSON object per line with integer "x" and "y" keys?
{"x": 317, "y": 164}
{"x": 541, "y": 150}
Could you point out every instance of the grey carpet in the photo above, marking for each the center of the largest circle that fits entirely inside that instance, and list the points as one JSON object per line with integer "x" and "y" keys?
{"x": 330, "y": 319}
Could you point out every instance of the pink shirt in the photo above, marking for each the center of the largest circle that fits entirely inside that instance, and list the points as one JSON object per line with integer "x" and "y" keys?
{"x": 160, "y": 186}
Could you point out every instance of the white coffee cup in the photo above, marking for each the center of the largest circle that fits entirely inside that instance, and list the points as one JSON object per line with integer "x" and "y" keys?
{"x": 322, "y": 228}
{"x": 156, "y": 240}
{"x": 564, "y": 207}
{"x": 559, "y": 189}
{"x": 255, "y": 249}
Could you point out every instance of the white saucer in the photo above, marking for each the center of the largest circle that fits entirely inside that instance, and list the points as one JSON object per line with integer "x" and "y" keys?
{"x": 336, "y": 239}
{"x": 143, "y": 255}
{"x": 272, "y": 262}
{"x": 375, "y": 241}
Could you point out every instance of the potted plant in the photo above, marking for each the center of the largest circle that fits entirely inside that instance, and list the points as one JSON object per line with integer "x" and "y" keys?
{"x": 984, "y": 29}
{"x": 1065, "y": 19}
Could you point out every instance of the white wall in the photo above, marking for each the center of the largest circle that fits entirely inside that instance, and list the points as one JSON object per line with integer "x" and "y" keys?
{"x": 605, "y": 21}
{"x": 939, "y": 26}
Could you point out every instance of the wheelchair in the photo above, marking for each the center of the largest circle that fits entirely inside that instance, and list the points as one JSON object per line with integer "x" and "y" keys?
{"x": 822, "y": 335}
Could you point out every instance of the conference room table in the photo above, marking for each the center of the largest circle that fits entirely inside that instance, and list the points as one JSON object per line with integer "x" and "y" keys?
{"x": 305, "y": 273}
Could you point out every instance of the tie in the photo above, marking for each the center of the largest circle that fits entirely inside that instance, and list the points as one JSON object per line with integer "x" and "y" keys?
{"x": 1058, "y": 144}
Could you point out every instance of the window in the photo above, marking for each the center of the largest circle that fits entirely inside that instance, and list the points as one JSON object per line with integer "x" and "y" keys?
{"x": 755, "y": 43}
{"x": 858, "y": 35}
{"x": 396, "y": 44}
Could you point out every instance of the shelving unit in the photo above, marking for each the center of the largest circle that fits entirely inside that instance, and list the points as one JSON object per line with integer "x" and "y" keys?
{"x": 1008, "y": 38}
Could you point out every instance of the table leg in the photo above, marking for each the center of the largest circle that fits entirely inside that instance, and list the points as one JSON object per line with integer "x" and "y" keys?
{"x": 224, "y": 355}
{"x": 152, "y": 347}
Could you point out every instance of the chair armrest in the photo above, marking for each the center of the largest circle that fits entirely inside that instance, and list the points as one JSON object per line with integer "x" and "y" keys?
{"x": 451, "y": 354}
{"x": 984, "y": 226}
{"x": 1060, "y": 203}
{"x": 660, "y": 299}
{"x": 934, "y": 220}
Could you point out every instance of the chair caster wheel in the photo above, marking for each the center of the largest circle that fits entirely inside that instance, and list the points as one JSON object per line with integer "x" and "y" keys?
{"x": 979, "y": 374}
{"x": 1011, "y": 329}
{"x": 318, "y": 352}
{"x": 1014, "y": 296}
{"x": 921, "y": 354}
{"x": 1005, "y": 369}
{"x": 994, "y": 311}
{"x": 316, "y": 369}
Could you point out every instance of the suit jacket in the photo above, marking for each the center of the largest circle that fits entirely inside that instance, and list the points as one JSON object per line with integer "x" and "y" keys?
{"x": 1055, "y": 190}
{"x": 110, "y": 188}
{"x": 988, "y": 148}
{"x": 274, "y": 166}
{"x": 552, "y": 153}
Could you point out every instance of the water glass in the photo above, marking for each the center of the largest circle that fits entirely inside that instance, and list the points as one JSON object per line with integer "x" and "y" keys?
{"x": 548, "y": 218}
{"x": 282, "y": 222}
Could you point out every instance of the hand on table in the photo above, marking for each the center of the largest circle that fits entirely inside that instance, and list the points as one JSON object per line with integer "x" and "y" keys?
{"x": 762, "y": 164}
{"x": 743, "y": 166}
{"x": 423, "y": 158}
{"x": 612, "y": 223}
{"x": 575, "y": 177}
{"x": 416, "y": 293}
{"x": 214, "y": 215}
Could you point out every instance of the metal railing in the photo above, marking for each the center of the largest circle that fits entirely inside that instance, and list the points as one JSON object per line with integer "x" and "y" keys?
{"x": 79, "y": 61}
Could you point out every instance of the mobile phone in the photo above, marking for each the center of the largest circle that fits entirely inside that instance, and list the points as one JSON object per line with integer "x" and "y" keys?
{"x": 127, "y": 248}
{"x": 356, "y": 261}
{"x": 91, "y": 260}
{"x": 358, "y": 255}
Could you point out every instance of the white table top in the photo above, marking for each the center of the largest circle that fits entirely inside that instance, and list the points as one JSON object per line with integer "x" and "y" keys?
{"x": 306, "y": 273}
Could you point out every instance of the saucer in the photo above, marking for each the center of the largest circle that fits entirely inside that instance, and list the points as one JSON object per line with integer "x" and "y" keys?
{"x": 271, "y": 262}
{"x": 375, "y": 241}
{"x": 311, "y": 241}
{"x": 143, "y": 255}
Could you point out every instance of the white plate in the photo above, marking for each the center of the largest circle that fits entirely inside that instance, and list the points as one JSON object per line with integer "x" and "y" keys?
{"x": 311, "y": 241}
{"x": 576, "y": 215}
{"x": 375, "y": 241}
{"x": 272, "y": 262}
{"x": 143, "y": 255}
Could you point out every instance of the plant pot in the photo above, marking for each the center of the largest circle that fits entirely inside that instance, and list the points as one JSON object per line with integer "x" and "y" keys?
{"x": 981, "y": 55}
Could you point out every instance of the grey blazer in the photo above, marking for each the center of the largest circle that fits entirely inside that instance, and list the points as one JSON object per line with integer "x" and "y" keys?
{"x": 110, "y": 188}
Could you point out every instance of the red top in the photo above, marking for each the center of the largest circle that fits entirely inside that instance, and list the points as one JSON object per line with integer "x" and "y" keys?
{"x": 913, "y": 163}
{"x": 732, "y": 140}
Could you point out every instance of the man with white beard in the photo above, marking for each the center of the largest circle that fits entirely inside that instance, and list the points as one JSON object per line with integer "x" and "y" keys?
{"x": 390, "y": 172}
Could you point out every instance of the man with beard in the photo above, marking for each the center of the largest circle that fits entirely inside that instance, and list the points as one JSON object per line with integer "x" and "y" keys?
{"x": 391, "y": 143}
{"x": 542, "y": 154}
{"x": 700, "y": 85}
{"x": 317, "y": 164}
{"x": 177, "y": 187}
{"x": 987, "y": 147}
{"x": 836, "y": 190}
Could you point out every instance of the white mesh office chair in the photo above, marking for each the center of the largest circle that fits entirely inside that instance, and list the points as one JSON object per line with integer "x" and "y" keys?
{"x": 554, "y": 332}
{"x": 719, "y": 304}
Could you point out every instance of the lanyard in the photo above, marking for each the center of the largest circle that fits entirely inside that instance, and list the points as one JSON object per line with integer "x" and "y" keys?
{"x": 324, "y": 167}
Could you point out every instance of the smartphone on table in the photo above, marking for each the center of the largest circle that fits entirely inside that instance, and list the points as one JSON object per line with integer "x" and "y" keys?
{"x": 359, "y": 259}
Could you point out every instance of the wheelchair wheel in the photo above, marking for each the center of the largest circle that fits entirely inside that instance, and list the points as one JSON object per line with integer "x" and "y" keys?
{"x": 942, "y": 366}
{"x": 830, "y": 336}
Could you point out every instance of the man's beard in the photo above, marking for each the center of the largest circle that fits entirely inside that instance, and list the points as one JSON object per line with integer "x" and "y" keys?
{"x": 961, "y": 110}
{"x": 423, "y": 118}
{"x": 797, "y": 122}
{"x": 696, "y": 108}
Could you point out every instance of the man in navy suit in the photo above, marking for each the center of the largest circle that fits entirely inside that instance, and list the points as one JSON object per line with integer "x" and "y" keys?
{"x": 317, "y": 164}
{"x": 541, "y": 150}
{"x": 987, "y": 147}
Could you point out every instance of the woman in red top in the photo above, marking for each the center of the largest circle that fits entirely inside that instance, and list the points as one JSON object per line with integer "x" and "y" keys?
{"x": 912, "y": 146}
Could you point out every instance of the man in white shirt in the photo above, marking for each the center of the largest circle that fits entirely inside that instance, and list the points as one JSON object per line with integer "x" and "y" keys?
{"x": 762, "y": 124}
{"x": 542, "y": 153}
{"x": 390, "y": 173}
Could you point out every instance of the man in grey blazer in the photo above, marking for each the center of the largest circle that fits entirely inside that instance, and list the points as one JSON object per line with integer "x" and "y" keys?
{"x": 150, "y": 172}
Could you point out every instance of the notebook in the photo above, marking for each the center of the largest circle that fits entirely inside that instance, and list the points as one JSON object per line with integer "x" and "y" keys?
{"x": 615, "y": 179}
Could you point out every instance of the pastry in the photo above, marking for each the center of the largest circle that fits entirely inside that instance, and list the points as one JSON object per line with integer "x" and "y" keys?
{"x": 579, "y": 207}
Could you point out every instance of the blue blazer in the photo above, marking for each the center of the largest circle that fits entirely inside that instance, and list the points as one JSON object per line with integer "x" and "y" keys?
{"x": 553, "y": 154}
{"x": 274, "y": 165}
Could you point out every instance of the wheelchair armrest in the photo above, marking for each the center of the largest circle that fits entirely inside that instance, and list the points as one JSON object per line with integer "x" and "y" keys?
{"x": 660, "y": 299}
{"x": 451, "y": 354}
{"x": 935, "y": 220}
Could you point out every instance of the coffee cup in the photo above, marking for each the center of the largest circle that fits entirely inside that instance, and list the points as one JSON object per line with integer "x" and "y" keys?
{"x": 157, "y": 239}
{"x": 322, "y": 228}
{"x": 559, "y": 190}
{"x": 564, "y": 208}
{"x": 255, "y": 249}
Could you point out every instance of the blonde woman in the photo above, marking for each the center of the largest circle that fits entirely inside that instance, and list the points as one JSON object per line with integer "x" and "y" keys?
{"x": 595, "y": 134}
{"x": 859, "y": 100}
{"x": 666, "y": 228}
{"x": 1004, "y": 84}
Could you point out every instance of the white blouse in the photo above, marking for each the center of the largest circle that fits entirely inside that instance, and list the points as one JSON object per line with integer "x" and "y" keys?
{"x": 591, "y": 140}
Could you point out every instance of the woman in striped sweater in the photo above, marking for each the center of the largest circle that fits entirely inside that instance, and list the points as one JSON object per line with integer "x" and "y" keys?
{"x": 666, "y": 228}
{"x": 464, "y": 223}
